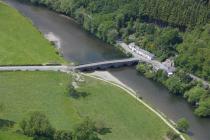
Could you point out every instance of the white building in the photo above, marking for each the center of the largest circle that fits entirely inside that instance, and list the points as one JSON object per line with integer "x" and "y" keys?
{"x": 140, "y": 51}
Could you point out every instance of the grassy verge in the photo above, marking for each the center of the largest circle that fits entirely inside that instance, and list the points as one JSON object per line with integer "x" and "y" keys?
{"x": 123, "y": 116}
{"x": 21, "y": 43}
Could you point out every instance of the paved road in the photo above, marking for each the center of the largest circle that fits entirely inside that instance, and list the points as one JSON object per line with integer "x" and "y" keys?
{"x": 34, "y": 68}
{"x": 65, "y": 68}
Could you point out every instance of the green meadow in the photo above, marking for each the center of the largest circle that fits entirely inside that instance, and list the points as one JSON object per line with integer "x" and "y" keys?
{"x": 21, "y": 43}
{"x": 124, "y": 117}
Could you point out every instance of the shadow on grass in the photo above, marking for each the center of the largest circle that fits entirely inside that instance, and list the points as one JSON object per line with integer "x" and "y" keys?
{"x": 105, "y": 131}
{"x": 6, "y": 123}
{"x": 41, "y": 138}
{"x": 78, "y": 94}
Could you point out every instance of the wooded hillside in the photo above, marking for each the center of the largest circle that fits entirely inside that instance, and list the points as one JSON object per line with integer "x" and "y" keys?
{"x": 182, "y": 13}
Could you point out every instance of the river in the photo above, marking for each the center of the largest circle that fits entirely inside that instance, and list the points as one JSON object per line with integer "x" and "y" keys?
{"x": 80, "y": 47}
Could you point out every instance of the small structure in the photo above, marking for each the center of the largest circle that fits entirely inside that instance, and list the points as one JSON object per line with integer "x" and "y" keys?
{"x": 140, "y": 51}
{"x": 169, "y": 64}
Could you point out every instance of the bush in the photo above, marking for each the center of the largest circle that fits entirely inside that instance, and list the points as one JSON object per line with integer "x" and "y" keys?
{"x": 37, "y": 125}
{"x": 149, "y": 74}
{"x": 194, "y": 95}
{"x": 175, "y": 85}
{"x": 85, "y": 131}
{"x": 204, "y": 108}
{"x": 160, "y": 76}
{"x": 62, "y": 135}
{"x": 144, "y": 68}
{"x": 183, "y": 125}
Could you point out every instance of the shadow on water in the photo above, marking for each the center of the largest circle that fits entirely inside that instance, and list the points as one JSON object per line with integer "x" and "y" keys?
{"x": 190, "y": 133}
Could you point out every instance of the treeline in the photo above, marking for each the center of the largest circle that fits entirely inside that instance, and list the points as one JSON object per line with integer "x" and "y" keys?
{"x": 38, "y": 126}
{"x": 181, "y": 84}
{"x": 182, "y": 13}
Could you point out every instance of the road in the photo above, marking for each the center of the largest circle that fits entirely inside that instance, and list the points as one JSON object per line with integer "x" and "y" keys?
{"x": 35, "y": 68}
{"x": 205, "y": 83}
{"x": 65, "y": 68}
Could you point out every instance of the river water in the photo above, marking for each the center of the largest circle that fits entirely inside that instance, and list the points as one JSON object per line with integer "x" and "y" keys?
{"x": 81, "y": 47}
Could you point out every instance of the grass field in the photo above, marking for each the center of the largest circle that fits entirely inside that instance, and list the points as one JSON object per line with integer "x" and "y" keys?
{"x": 4, "y": 135}
{"x": 21, "y": 43}
{"x": 25, "y": 92}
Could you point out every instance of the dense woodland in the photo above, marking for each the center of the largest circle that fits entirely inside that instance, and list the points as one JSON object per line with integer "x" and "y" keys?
{"x": 167, "y": 28}
{"x": 194, "y": 52}
{"x": 177, "y": 13}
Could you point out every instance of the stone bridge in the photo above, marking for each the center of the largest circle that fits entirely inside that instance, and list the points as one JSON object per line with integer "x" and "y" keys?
{"x": 107, "y": 64}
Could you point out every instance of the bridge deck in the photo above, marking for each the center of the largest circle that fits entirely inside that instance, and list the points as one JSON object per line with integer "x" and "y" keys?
{"x": 112, "y": 62}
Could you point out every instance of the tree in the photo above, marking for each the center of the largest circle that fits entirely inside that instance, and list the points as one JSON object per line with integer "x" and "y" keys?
{"x": 183, "y": 125}
{"x": 112, "y": 36}
{"x": 194, "y": 95}
{"x": 37, "y": 125}
{"x": 175, "y": 85}
{"x": 85, "y": 131}
{"x": 141, "y": 68}
{"x": 204, "y": 108}
{"x": 160, "y": 76}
